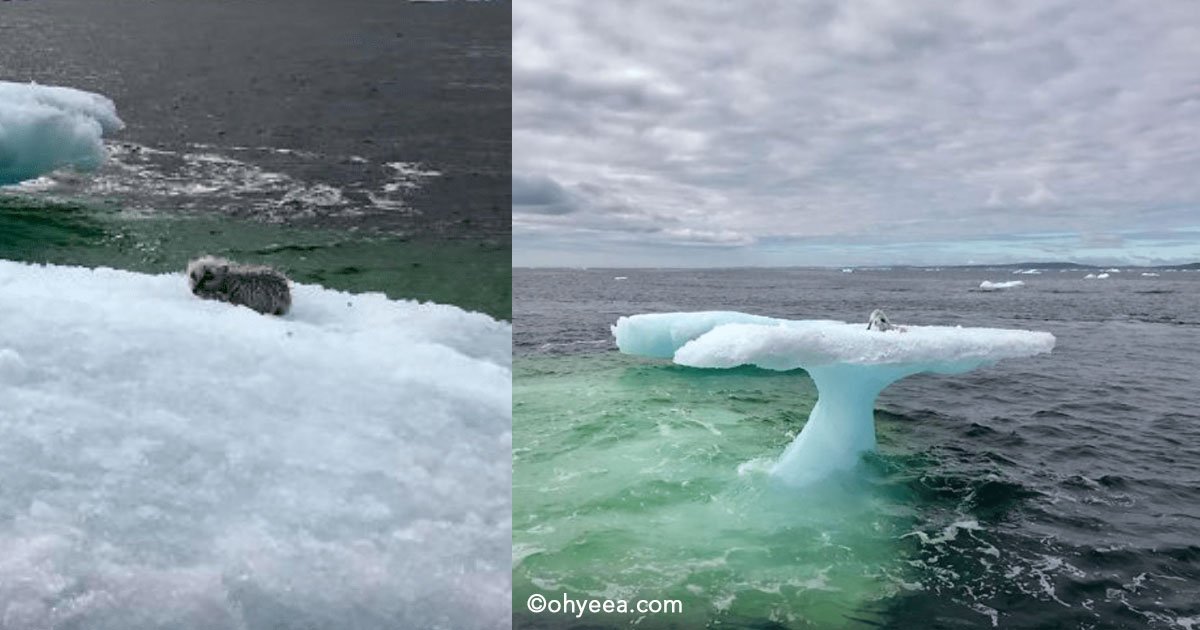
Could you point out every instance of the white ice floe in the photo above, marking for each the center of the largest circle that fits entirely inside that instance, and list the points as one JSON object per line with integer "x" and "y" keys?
{"x": 849, "y": 364}
{"x": 170, "y": 462}
{"x": 987, "y": 285}
{"x": 1149, "y": 274}
{"x": 44, "y": 128}
{"x": 659, "y": 335}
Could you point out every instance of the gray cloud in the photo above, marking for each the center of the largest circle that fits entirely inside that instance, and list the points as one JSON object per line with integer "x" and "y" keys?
{"x": 742, "y": 125}
{"x": 539, "y": 194}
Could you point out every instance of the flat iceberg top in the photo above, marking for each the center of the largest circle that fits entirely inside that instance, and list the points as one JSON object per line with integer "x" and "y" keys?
{"x": 350, "y": 461}
{"x": 44, "y": 128}
{"x": 659, "y": 335}
{"x": 790, "y": 344}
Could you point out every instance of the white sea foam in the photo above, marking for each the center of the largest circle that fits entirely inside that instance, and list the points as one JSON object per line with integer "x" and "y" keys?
{"x": 44, "y": 128}
{"x": 170, "y": 462}
{"x": 232, "y": 180}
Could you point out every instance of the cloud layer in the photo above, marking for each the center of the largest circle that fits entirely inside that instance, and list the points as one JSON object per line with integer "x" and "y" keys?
{"x": 779, "y": 132}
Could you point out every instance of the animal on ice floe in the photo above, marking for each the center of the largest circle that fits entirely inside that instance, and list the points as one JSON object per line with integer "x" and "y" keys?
{"x": 879, "y": 321}
{"x": 255, "y": 286}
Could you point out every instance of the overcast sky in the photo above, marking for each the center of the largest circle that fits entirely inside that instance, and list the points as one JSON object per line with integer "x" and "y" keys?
{"x": 680, "y": 133}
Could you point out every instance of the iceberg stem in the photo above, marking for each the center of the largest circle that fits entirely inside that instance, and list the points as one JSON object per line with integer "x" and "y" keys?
{"x": 841, "y": 425}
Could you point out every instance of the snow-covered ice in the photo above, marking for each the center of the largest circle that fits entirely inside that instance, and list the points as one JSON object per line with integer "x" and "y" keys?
{"x": 988, "y": 285}
{"x": 170, "y": 462}
{"x": 849, "y": 364}
{"x": 44, "y": 128}
{"x": 659, "y": 335}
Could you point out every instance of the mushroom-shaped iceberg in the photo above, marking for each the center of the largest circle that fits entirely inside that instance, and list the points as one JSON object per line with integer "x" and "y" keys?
{"x": 849, "y": 364}
{"x": 44, "y": 128}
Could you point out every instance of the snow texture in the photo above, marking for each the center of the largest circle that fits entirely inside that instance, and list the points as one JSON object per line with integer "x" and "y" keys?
{"x": 172, "y": 462}
{"x": 45, "y": 128}
{"x": 849, "y": 364}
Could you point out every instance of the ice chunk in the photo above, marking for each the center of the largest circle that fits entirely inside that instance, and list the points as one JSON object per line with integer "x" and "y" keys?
{"x": 659, "y": 335}
{"x": 172, "y": 462}
{"x": 948, "y": 349}
{"x": 999, "y": 286}
{"x": 44, "y": 128}
{"x": 849, "y": 364}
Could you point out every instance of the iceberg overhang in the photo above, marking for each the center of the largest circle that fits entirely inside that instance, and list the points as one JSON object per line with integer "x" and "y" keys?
{"x": 849, "y": 365}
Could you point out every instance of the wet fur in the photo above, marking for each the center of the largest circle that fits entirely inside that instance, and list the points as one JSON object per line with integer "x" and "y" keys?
{"x": 260, "y": 288}
{"x": 879, "y": 321}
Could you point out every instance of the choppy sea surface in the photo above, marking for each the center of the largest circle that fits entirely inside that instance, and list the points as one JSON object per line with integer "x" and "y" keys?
{"x": 360, "y": 144}
{"x": 1058, "y": 491}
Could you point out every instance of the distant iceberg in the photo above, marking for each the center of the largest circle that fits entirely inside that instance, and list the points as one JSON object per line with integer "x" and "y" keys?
{"x": 999, "y": 286}
{"x": 1093, "y": 276}
{"x": 45, "y": 128}
{"x": 1149, "y": 274}
{"x": 849, "y": 364}
{"x": 170, "y": 462}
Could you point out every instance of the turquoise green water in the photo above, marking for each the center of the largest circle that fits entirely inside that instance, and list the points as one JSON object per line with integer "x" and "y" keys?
{"x": 645, "y": 480}
{"x": 475, "y": 275}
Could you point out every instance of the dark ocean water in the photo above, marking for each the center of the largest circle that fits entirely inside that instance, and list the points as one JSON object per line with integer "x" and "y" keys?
{"x": 381, "y": 123}
{"x": 1058, "y": 491}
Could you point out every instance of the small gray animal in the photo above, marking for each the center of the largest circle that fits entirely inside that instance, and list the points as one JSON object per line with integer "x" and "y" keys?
{"x": 255, "y": 286}
{"x": 880, "y": 321}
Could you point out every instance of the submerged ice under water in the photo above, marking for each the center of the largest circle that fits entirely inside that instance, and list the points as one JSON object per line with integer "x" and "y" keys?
{"x": 849, "y": 363}
{"x": 177, "y": 463}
